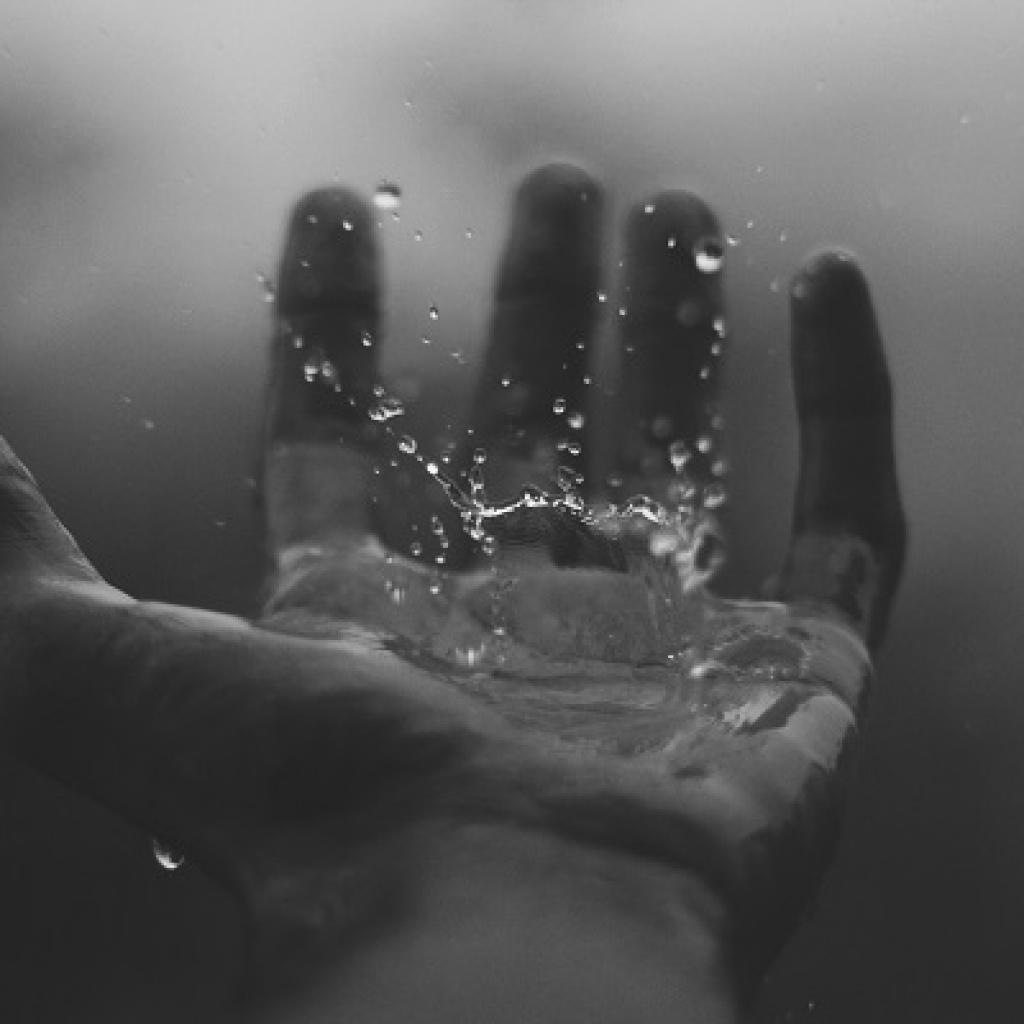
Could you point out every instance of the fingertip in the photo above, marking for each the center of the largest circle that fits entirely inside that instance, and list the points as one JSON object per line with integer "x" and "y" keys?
{"x": 330, "y": 253}
{"x": 554, "y": 236}
{"x": 839, "y": 364}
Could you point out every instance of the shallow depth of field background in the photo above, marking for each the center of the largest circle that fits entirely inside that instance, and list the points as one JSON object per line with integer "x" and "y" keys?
{"x": 148, "y": 157}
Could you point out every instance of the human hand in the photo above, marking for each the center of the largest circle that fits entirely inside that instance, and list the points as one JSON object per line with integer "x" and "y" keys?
{"x": 586, "y": 634}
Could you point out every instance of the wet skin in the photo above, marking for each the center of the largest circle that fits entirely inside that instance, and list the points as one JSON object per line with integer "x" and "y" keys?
{"x": 595, "y": 818}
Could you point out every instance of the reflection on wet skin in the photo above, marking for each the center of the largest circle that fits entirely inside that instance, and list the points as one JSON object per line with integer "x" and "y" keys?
{"x": 544, "y": 703}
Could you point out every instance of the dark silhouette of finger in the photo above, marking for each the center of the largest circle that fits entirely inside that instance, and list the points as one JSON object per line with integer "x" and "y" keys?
{"x": 321, "y": 431}
{"x": 672, "y": 331}
{"x": 528, "y": 410}
{"x": 849, "y": 530}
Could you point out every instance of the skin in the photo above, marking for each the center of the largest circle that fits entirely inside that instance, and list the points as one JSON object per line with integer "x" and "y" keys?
{"x": 621, "y": 808}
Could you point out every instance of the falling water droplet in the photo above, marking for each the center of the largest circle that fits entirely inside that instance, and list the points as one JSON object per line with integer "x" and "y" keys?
{"x": 672, "y": 242}
{"x": 602, "y": 296}
{"x": 415, "y": 549}
{"x": 387, "y": 195}
{"x": 558, "y": 406}
{"x": 367, "y": 339}
{"x": 575, "y": 420}
{"x": 418, "y": 236}
{"x": 469, "y": 232}
{"x": 704, "y": 443}
{"x": 167, "y": 858}
{"x": 718, "y": 325}
{"x": 407, "y": 444}
{"x": 433, "y": 313}
{"x": 708, "y": 254}
{"x": 649, "y": 208}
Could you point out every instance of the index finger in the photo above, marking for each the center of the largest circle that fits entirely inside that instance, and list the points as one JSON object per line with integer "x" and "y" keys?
{"x": 849, "y": 531}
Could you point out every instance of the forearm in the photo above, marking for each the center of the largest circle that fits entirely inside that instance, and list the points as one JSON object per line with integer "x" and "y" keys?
{"x": 212, "y": 734}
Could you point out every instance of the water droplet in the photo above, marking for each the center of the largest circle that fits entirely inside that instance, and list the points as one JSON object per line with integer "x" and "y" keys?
{"x": 649, "y": 208}
{"x": 311, "y": 367}
{"x": 679, "y": 454}
{"x": 266, "y": 288}
{"x": 387, "y": 408}
{"x": 714, "y": 495}
{"x": 705, "y": 372}
{"x": 407, "y": 444}
{"x": 716, "y": 348}
{"x": 662, "y": 427}
{"x": 387, "y": 195}
{"x": 506, "y": 382}
{"x": 489, "y": 545}
{"x": 732, "y": 240}
{"x": 435, "y": 584}
{"x": 418, "y": 236}
{"x": 367, "y": 339}
{"x": 575, "y": 420}
{"x": 298, "y": 341}
{"x": 718, "y": 325}
{"x": 415, "y": 549}
{"x": 720, "y": 467}
{"x": 433, "y": 313}
{"x": 148, "y": 425}
{"x": 614, "y": 480}
{"x": 708, "y": 254}
{"x": 704, "y": 443}
{"x": 425, "y": 340}
{"x": 347, "y": 225}
{"x": 469, "y": 232}
{"x": 167, "y": 858}
{"x": 567, "y": 479}
{"x": 602, "y": 296}
{"x": 672, "y": 242}
{"x": 469, "y": 657}
{"x": 479, "y": 456}
{"x": 775, "y": 284}
{"x": 664, "y": 542}
{"x": 783, "y": 236}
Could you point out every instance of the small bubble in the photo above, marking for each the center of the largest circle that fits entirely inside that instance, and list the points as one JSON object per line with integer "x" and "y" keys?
{"x": 506, "y": 382}
{"x": 311, "y": 367}
{"x": 558, "y": 406}
{"x": 775, "y": 284}
{"x": 298, "y": 341}
{"x": 783, "y": 236}
{"x": 436, "y": 526}
{"x": 469, "y": 232}
{"x": 415, "y": 549}
{"x": 649, "y": 208}
{"x": 720, "y": 467}
{"x": 418, "y": 236}
{"x": 718, "y": 325}
{"x": 479, "y": 456}
{"x": 407, "y": 444}
{"x": 672, "y": 242}
{"x": 602, "y": 296}
{"x": 433, "y": 313}
{"x": 614, "y": 480}
{"x": 367, "y": 339}
{"x": 435, "y": 584}
{"x": 716, "y": 348}
{"x": 347, "y": 225}
{"x": 387, "y": 195}
{"x": 708, "y": 254}
{"x": 489, "y": 545}
{"x": 148, "y": 425}
{"x": 622, "y": 310}
{"x": 167, "y": 858}
{"x": 575, "y": 420}
{"x": 704, "y": 443}
{"x": 425, "y": 339}
{"x": 705, "y": 372}
{"x": 732, "y": 240}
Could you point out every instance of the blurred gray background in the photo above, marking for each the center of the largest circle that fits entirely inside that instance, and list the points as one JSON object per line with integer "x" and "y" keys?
{"x": 148, "y": 157}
